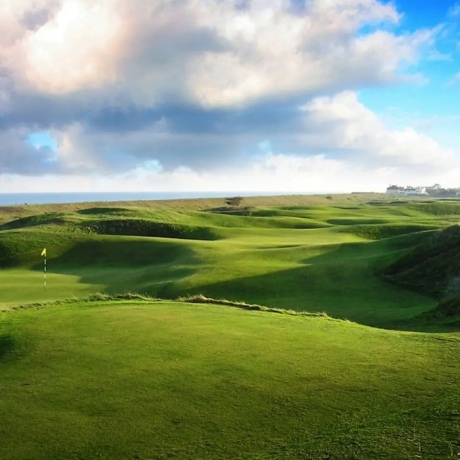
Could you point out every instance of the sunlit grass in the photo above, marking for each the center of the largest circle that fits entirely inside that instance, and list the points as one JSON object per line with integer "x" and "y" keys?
{"x": 145, "y": 380}
{"x": 252, "y": 362}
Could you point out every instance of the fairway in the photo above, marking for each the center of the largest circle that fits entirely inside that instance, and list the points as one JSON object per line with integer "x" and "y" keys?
{"x": 320, "y": 337}
{"x": 305, "y": 255}
{"x": 167, "y": 380}
{"x": 192, "y": 263}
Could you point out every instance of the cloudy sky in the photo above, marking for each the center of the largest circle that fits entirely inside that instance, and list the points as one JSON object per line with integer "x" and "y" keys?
{"x": 243, "y": 95}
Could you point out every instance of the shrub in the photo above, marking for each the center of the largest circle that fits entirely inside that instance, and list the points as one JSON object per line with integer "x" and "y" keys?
{"x": 234, "y": 201}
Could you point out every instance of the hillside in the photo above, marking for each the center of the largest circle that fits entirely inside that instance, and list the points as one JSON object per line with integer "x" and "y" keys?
{"x": 433, "y": 268}
{"x": 278, "y": 367}
{"x": 310, "y": 257}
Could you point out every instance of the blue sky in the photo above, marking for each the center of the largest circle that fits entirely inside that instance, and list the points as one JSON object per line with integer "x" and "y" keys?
{"x": 280, "y": 95}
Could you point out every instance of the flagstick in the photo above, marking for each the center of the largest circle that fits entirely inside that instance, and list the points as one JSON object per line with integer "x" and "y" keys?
{"x": 44, "y": 273}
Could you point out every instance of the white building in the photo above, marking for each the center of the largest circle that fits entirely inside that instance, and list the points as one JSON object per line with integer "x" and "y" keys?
{"x": 415, "y": 191}
{"x": 434, "y": 188}
{"x": 421, "y": 191}
{"x": 396, "y": 190}
{"x": 410, "y": 191}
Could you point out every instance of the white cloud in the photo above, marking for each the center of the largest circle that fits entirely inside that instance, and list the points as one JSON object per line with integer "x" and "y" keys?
{"x": 343, "y": 147}
{"x": 343, "y": 124}
{"x": 206, "y": 51}
{"x": 74, "y": 46}
{"x": 77, "y": 49}
{"x": 101, "y": 74}
{"x": 275, "y": 173}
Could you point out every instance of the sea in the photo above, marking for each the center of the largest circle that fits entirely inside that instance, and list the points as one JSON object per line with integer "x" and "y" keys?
{"x": 15, "y": 199}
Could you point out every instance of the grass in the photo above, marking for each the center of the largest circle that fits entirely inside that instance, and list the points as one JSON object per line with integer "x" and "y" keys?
{"x": 311, "y": 256}
{"x": 282, "y": 365}
{"x": 20, "y": 286}
{"x": 431, "y": 265}
{"x": 133, "y": 379}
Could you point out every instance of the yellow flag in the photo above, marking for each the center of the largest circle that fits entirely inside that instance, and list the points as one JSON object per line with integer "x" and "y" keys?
{"x": 44, "y": 252}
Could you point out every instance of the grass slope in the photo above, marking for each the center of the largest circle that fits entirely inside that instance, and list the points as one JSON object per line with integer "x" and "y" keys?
{"x": 301, "y": 255}
{"x": 433, "y": 266}
{"x": 161, "y": 379}
{"x": 166, "y": 380}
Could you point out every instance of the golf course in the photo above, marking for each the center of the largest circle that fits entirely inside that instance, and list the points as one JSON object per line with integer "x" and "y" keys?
{"x": 290, "y": 327}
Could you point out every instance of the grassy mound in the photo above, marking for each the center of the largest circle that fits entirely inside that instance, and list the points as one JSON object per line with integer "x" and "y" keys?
{"x": 447, "y": 308}
{"x": 22, "y": 247}
{"x": 438, "y": 208}
{"x": 141, "y": 227}
{"x": 52, "y": 218}
{"x": 432, "y": 266}
{"x": 257, "y": 375}
{"x": 131, "y": 379}
{"x": 377, "y": 232}
{"x": 290, "y": 255}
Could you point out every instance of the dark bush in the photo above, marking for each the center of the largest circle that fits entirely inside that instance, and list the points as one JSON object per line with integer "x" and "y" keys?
{"x": 234, "y": 201}
{"x": 141, "y": 227}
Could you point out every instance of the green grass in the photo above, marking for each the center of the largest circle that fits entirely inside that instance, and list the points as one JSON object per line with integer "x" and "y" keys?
{"x": 20, "y": 286}
{"x": 279, "y": 376}
{"x": 431, "y": 265}
{"x": 166, "y": 380}
{"x": 314, "y": 257}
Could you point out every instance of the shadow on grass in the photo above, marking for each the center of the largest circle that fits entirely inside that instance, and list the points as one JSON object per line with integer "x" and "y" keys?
{"x": 144, "y": 266}
{"x": 231, "y": 211}
{"x": 35, "y": 221}
{"x": 355, "y": 294}
{"x": 108, "y": 210}
{"x": 6, "y": 345}
{"x": 342, "y": 282}
{"x": 121, "y": 253}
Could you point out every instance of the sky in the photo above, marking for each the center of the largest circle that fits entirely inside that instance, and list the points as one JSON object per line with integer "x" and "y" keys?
{"x": 289, "y": 96}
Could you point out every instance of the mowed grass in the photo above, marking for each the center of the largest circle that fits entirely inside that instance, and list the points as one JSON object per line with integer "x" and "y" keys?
{"x": 314, "y": 270}
{"x": 20, "y": 286}
{"x": 153, "y": 380}
{"x": 160, "y": 379}
{"x": 312, "y": 257}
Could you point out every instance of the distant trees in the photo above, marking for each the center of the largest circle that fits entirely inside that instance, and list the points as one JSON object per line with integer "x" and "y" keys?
{"x": 234, "y": 201}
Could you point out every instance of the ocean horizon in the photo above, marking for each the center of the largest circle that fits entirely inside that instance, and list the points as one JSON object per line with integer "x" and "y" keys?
{"x": 16, "y": 199}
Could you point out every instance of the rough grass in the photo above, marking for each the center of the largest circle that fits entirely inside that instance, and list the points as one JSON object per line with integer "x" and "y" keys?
{"x": 245, "y": 306}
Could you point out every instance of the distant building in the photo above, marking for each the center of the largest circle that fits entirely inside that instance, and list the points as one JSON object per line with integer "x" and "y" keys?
{"x": 421, "y": 191}
{"x": 395, "y": 190}
{"x": 433, "y": 189}
{"x": 410, "y": 191}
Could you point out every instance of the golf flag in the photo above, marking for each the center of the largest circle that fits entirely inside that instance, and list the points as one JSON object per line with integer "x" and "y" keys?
{"x": 44, "y": 252}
